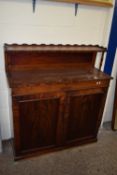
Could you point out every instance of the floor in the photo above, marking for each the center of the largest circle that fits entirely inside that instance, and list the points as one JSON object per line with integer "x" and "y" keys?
{"x": 98, "y": 158}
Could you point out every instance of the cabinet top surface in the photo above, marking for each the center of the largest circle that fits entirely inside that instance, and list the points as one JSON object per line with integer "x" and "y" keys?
{"x": 39, "y": 77}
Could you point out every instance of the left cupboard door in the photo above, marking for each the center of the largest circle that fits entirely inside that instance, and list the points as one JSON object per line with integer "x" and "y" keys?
{"x": 37, "y": 122}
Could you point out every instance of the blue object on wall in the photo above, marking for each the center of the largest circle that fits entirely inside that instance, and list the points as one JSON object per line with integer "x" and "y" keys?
{"x": 112, "y": 43}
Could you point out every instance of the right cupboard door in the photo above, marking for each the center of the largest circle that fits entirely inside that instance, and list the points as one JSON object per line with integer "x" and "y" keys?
{"x": 83, "y": 114}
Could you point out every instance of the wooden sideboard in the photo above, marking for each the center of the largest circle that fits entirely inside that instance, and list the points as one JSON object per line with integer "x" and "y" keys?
{"x": 58, "y": 96}
{"x": 114, "y": 117}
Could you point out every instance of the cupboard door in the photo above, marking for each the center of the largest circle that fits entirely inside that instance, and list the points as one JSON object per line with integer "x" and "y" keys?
{"x": 83, "y": 114}
{"x": 37, "y": 120}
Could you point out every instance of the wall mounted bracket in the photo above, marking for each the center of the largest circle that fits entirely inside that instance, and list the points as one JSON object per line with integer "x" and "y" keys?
{"x": 34, "y": 5}
{"x": 76, "y": 8}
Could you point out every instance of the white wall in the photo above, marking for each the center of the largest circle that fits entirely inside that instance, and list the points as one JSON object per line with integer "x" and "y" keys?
{"x": 52, "y": 22}
{"x": 110, "y": 97}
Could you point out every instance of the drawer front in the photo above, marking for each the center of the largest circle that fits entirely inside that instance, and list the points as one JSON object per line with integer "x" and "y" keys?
{"x": 43, "y": 88}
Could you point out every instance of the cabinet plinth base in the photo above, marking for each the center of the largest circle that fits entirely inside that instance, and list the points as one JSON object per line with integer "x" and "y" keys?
{"x": 36, "y": 153}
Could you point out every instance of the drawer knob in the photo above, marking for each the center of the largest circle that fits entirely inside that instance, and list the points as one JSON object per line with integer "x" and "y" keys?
{"x": 98, "y": 82}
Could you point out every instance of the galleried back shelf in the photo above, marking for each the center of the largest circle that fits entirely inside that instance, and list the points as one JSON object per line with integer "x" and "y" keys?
{"x": 58, "y": 96}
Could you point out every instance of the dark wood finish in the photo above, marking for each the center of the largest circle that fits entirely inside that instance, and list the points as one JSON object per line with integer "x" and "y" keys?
{"x": 83, "y": 113}
{"x": 38, "y": 119}
{"x": 114, "y": 117}
{"x": 31, "y": 57}
{"x": 58, "y": 96}
{"x": 101, "y": 61}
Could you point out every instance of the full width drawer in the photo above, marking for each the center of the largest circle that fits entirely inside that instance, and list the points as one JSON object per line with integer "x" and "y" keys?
{"x": 54, "y": 87}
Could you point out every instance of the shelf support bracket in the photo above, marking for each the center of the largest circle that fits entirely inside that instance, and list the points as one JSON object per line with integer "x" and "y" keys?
{"x": 76, "y": 8}
{"x": 34, "y": 5}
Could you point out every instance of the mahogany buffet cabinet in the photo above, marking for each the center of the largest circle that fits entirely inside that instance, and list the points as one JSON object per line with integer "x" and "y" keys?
{"x": 58, "y": 96}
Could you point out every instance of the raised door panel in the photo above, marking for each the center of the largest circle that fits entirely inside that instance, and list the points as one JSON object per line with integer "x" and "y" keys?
{"x": 36, "y": 122}
{"x": 83, "y": 114}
